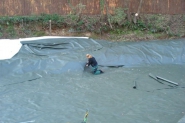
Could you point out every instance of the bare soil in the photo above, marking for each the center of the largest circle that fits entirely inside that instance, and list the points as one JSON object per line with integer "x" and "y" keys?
{"x": 109, "y": 36}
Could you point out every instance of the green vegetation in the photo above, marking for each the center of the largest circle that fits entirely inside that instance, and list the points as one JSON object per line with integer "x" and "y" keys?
{"x": 116, "y": 25}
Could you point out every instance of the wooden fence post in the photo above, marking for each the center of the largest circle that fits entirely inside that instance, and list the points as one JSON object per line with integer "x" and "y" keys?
{"x": 49, "y": 27}
{"x": 138, "y": 11}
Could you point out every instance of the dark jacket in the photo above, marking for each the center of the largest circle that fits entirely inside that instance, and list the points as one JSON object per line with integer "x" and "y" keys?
{"x": 92, "y": 61}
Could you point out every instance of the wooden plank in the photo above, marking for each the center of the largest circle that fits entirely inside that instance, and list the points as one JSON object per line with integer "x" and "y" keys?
{"x": 2, "y": 10}
{"x": 134, "y": 4}
{"x": 12, "y": 8}
{"x": 92, "y": 7}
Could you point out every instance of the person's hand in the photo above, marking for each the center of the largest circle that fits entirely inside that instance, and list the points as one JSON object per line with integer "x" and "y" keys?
{"x": 86, "y": 65}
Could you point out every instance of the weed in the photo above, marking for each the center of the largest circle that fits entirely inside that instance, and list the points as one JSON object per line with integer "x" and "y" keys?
{"x": 116, "y": 23}
{"x": 1, "y": 34}
{"x": 11, "y": 31}
{"x": 119, "y": 16}
{"x": 102, "y": 4}
{"x": 39, "y": 33}
{"x": 118, "y": 31}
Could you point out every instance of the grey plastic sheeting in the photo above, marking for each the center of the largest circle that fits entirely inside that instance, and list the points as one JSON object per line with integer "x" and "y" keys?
{"x": 182, "y": 120}
{"x": 46, "y": 82}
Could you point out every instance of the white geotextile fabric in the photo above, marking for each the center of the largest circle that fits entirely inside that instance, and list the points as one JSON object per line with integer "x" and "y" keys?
{"x": 9, "y": 47}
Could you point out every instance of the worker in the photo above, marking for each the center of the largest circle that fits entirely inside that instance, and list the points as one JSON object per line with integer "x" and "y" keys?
{"x": 93, "y": 63}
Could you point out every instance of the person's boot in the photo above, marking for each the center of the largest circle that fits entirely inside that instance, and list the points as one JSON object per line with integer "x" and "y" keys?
{"x": 101, "y": 71}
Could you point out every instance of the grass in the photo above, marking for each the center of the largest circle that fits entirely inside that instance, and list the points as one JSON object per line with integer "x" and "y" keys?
{"x": 95, "y": 27}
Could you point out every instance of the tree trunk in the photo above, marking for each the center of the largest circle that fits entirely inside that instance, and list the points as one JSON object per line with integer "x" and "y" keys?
{"x": 138, "y": 11}
{"x": 128, "y": 10}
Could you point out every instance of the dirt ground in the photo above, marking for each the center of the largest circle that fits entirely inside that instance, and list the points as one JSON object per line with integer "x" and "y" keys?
{"x": 131, "y": 36}
{"x": 150, "y": 27}
{"x": 173, "y": 28}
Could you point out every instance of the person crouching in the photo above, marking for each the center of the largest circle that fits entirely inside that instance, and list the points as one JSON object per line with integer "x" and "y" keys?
{"x": 93, "y": 63}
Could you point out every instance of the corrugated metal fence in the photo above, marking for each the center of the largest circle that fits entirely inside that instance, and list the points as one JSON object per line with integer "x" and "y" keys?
{"x": 93, "y": 7}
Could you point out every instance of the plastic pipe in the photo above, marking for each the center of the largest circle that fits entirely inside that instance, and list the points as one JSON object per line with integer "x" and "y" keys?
{"x": 158, "y": 77}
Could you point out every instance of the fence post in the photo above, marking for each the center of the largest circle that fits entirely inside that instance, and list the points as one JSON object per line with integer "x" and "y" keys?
{"x": 22, "y": 21}
{"x": 138, "y": 11}
{"x": 49, "y": 27}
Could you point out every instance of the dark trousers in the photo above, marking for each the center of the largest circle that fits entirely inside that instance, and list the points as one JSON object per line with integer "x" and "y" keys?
{"x": 95, "y": 70}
